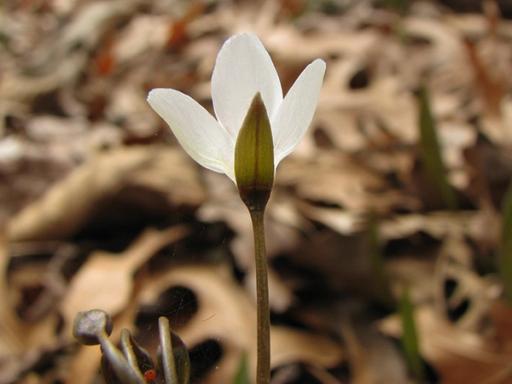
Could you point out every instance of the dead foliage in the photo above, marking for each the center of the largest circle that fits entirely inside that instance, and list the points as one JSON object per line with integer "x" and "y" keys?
{"x": 102, "y": 209}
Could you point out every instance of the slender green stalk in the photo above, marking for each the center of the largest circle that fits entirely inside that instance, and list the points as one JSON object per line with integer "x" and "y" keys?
{"x": 263, "y": 315}
{"x": 254, "y": 171}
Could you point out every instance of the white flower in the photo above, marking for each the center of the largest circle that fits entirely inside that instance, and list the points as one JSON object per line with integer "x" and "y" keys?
{"x": 242, "y": 69}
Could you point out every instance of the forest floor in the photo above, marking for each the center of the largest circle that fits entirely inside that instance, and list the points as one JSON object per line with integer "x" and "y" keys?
{"x": 387, "y": 193}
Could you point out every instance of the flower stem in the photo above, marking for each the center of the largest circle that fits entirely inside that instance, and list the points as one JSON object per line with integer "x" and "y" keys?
{"x": 263, "y": 312}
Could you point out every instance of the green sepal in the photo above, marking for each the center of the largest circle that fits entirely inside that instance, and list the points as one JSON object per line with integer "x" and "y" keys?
{"x": 254, "y": 157}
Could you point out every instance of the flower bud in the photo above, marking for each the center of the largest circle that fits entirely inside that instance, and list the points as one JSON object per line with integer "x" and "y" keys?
{"x": 90, "y": 326}
{"x": 254, "y": 157}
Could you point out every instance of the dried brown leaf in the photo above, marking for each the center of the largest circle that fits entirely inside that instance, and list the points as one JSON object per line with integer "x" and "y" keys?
{"x": 106, "y": 281}
{"x": 63, "y": 210}
{"x": 226, "y": 314}
{"x": 457, "y": 355}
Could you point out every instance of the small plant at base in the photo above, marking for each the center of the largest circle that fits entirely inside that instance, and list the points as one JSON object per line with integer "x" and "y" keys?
{"x": 132, "y": 364}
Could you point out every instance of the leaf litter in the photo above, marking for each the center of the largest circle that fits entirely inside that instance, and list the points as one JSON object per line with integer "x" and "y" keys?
{"x": 101, "y": 208}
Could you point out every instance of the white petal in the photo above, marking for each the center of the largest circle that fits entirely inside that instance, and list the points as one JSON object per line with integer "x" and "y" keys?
{"x": 196, "y": 130}
{"x": 297, "y": 109}
{"x": 242, "y": 69}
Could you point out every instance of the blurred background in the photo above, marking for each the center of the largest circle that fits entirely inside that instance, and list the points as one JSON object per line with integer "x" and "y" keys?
{"x": 388, "y": 230}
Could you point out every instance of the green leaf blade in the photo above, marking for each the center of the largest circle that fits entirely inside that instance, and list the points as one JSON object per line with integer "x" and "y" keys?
{"x": 242, "y": 373}
{"x": 410, "y": 341}
{"x": 505, "y": 252}
{"x": 431, "y": 151}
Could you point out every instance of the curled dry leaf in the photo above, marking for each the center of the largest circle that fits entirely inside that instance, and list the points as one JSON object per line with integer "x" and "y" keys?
{"x": 64, "y": 62}
{"x": 342, "y": 221}
{"x": 355, "y": 188}
{"x": 458, "y": 356}
{"x": 457, "y": 332}
{"x": 10, "y": 327}
{"x": 373, "y": 359}
{"x": 455, "y": 265}
{"x": 56, "y": 215}
{"x": 21, "y": 344}
{"x": 114, "y": 274}
{"x": 227, "y": 314}
{"x": 439, "y": 224}
{"x": 143, "y": 34}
